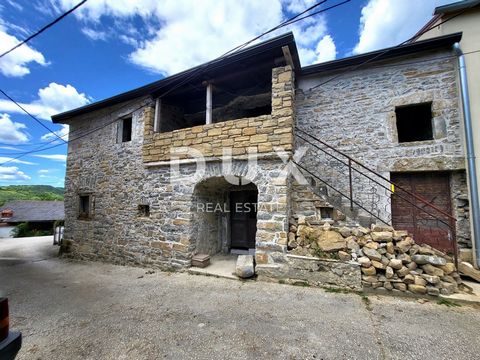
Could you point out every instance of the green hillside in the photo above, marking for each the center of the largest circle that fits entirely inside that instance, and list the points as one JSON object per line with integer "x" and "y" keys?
{"x": 30, "y": 192}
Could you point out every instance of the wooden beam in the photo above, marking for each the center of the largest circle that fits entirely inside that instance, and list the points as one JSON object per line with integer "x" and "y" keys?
{"x": 208, "y": 113}
{"x": 157, "y": 118}
{"x": 288, "y": 56}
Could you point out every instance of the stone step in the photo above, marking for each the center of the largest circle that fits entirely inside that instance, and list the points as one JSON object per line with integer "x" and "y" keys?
{"x": 467, "y": 269}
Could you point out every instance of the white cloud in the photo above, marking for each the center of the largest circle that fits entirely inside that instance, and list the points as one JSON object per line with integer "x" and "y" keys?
{"x": 308, "y": 35}
{"x": 12, "y": 173}
{"x": 63, "y": 133}
{"x": 15, "y": 64}
{"x": 15, "y": 5}
{"x": 12, "y": 132}
{"x": 94, "y": 34}
{"x": 387, "y": 23}
{"x": 326, "y": 49}
{"x": 296, "y": 6}
{"x": 192, "y": 33}
{"x": 43, "y": 171}
{"x": 11, "y": 160}
{"x": 54, "y": 157}
{"x": 53, "y": 99}
{"x": 9, "y": 148}
{"x": 177, "y": 35}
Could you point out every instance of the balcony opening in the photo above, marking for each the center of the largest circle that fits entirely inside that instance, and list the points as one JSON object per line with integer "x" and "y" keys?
{"x": 242, "y": 94}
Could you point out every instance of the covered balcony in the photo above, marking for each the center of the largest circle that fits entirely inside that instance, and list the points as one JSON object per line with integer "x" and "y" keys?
{"x": 244, "y": 101}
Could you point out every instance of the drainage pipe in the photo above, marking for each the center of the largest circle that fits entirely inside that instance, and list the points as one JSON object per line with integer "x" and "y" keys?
{"x": 472, "y": 172}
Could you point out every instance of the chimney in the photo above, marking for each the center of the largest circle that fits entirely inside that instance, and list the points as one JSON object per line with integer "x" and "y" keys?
{"x": 7, "y": 213}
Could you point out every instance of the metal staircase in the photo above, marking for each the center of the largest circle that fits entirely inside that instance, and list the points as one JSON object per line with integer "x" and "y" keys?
{"x": 361, "y": 193}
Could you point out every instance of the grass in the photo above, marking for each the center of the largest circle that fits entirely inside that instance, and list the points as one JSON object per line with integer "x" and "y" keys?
{"x": 325, "y": 255}
{"x": 29, "y": 192}
{"x": 337, "y": 290}
{"x": 366, "y": 301}
{"x": 448, "y": 303}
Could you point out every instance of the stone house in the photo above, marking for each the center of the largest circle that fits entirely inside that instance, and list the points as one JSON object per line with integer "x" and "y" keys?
{"x": 40, "y": 215}
{"x": 155, "y": 175}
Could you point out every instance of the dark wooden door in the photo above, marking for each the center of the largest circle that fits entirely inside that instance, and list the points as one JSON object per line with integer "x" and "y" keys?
{"x": 243, "y": 219}
{"x": 431, "y": 229}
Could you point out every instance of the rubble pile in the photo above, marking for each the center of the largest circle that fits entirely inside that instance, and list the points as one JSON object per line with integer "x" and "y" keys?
{"x": 388, "y": 259}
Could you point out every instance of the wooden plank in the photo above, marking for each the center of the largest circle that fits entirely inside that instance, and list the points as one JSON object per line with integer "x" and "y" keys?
{"x": 425, "y": 228}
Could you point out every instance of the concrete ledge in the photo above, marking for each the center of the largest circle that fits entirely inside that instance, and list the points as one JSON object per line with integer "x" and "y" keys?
{"x": 253, "y": 156}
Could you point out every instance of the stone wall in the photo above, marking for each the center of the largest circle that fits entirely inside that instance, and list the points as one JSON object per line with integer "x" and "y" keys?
{"x": 356, "y": 114}
{"x": 359, "y": 258}
{"x": 312, "y": 271}
{"x": 118, "y": 179}
{"x": 261, "y": 134}
{"x": 461, "y": 208}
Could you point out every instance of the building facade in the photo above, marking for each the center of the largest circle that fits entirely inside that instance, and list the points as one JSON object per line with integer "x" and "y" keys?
{"x": 157, "y": 175}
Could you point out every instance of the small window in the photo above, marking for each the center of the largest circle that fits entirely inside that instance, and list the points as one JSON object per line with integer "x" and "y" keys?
{"x": 414, "y": 122}
{"x": 144, "y": 210}
{"x": 84, "y": 206}
{"x": 127, "y": 129}
{"x": 326, "y": 213}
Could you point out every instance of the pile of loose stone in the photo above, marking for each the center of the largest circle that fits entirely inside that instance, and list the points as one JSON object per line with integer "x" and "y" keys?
{"x": 389, "y": 259}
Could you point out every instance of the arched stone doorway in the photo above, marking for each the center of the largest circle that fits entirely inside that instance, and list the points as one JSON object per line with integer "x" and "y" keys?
{"x": 224, "y": 217}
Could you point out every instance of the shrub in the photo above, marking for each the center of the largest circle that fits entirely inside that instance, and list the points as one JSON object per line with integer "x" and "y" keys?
{"x": 26, "y": 230}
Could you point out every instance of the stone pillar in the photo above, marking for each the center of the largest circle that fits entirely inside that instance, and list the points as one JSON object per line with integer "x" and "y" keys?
{"x": 283, "y": 97}
{"x": 274, "y": 196}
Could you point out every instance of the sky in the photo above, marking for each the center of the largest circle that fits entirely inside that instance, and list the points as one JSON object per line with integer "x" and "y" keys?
{"x": 107, "y": 47}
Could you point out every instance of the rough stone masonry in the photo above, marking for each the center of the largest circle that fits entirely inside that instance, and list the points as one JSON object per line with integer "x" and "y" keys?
{"x": 355, "y": 113}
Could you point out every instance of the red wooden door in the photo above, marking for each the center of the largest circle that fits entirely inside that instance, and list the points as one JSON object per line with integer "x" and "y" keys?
{"x": 426, "y": 225}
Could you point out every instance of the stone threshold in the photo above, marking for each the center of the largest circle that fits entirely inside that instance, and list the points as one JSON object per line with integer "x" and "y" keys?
{"x": 206, "y": 272}
{"x": 221, "y": 266}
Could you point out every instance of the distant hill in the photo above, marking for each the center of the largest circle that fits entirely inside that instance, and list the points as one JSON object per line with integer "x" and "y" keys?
{"x": 30, "y": 192}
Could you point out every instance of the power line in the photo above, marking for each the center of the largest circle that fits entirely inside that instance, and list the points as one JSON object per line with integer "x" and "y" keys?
{"x": 287, "y": 22}
{"x": 33, "y": 117}
{"x": 142, "y": 106}
{"x": 416, "y": 36}
{"x": 194, "y": 73}
{"x": 44, "y": 28}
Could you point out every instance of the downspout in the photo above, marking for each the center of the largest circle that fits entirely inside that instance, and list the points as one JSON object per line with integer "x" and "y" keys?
{"x": 472, "y": 173}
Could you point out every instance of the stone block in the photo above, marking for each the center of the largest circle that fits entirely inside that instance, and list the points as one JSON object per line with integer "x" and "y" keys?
{"x": 244, "y": 267}
{"x": 201, "y": 260}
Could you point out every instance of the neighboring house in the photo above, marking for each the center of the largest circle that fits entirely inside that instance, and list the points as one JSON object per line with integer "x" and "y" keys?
{"x": 132, "y": 196}
{"x": 463, "y": 16}
{"x": 40, "y": 215}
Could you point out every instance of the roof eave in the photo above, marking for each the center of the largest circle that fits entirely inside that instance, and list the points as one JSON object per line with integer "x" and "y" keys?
{"x": 383, "y": 54}
{"x": 279, "y": 41}
{"x": 456, "y": 6}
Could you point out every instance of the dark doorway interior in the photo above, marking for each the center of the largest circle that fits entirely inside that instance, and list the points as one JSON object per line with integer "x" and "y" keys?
{"x": 243, "y": 219}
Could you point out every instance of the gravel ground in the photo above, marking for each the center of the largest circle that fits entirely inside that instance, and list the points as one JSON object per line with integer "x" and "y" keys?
{"x": 86, "y": 310}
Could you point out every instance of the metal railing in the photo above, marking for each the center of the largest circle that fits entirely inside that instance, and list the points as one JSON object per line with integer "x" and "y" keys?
{"x": 365, "y": 194}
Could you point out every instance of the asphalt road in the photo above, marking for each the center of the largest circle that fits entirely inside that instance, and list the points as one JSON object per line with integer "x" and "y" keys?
{"x": 84, "y": 310}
